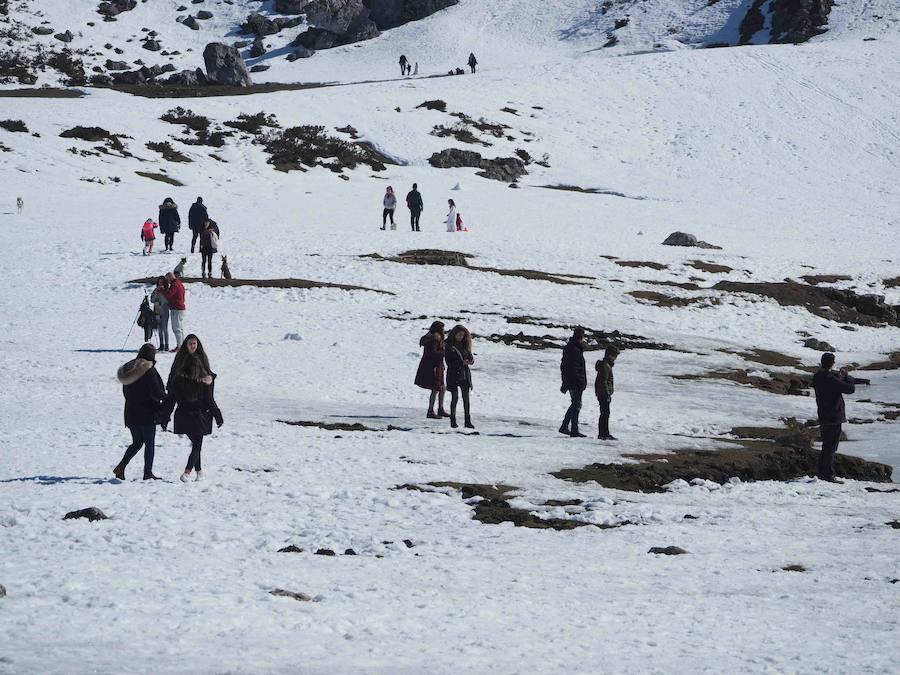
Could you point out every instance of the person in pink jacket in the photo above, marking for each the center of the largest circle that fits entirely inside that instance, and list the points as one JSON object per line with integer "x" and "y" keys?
{"x": 148, "y": 236}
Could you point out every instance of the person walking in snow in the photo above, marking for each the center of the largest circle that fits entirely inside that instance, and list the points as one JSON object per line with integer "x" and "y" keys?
{"x": 451, "y": 216}
{"x": 148, "y": 236}
{"x": 143, "y": 390}
{"x": 458, "y": 354}
{"x": 161, "y": 310}
{"x": 197, "y": 217}
{"x": 430, "y": 373}
{"x": 209, "y": 244}
{"x": 403, "y": 63}
{"x": 472, "y": 62}
{"x": 574, "y": 381}
{"x": 390, "y": 203}
{"x": 174, "y": 294}
{"x": 604, "y": 386}
{"x": 830, "y": 388}
{"x": 169, "y": 221}
{"x": 415, "y": 205}
{"x": 192, "y": 398}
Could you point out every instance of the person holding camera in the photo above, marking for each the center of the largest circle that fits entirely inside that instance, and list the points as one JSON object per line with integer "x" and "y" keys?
{"x": 830, "y": 388}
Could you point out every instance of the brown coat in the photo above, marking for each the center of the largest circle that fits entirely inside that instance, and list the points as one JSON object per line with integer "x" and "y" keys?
{"x": 430, "y": 374}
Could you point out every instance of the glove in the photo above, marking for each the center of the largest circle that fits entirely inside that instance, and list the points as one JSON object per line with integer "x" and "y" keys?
{"x": 564, "y": 389}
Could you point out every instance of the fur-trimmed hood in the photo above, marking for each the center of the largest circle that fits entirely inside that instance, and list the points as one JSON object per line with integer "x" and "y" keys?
{"x": 171, "y": 205}
{"x": 134, "y": 370}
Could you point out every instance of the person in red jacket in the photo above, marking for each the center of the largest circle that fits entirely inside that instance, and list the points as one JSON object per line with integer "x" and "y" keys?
{"x": 175, "y": 295}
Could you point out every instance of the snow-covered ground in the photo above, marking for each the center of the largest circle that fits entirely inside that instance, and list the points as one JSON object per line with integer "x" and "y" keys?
{"x": 787, "y": 157}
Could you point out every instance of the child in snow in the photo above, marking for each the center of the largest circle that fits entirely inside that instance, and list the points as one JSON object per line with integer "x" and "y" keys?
{"x": 451, "y": 216}
{"x": 148, "y": 236}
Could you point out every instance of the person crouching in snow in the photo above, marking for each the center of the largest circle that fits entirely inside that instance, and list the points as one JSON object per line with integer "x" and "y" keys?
{"x": 451, "y": 216}
{"x": 148, "y": 236}
{"x": 143, "y": 390}
{"x": 192, "y": 397}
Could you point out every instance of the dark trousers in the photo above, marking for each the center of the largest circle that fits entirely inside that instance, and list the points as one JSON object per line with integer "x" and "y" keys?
{"x": 454, "y": 399}
{"x": 414, "y": 220}
{"x": 831, "y": 436}
{"x": 194, "y": 458}
{"x": 148, "y": 331}
{"x": 384, "y": 217}
{"x": 141, "y": 435}
{"x": 206, "y": 261}
{"x": 473, "y": 68}
{"x": 170, "y": 240}
{"x": 194, "y": 235}
{"x": 570, "y": 421}
{"x": 603, "y": 429}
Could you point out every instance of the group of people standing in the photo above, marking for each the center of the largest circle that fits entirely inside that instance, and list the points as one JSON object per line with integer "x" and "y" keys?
{"x": 168, "y": 298}
{"x": 406, "y": 68}
{"x": 203, "y": 229}
{"x": 415, "y": 205}
{"x": 574, "y": 382}
{"x": 454, "y": 350}
{"x": 189, "y": 393}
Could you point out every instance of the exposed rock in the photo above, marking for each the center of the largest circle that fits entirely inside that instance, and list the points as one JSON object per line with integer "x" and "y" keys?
{"x": 259, "y": 68}
{"x": 435, "y": 104}
{"x": 818, "y": 345}
{"x": 316, "y": 38}
{"x": 325, "y": 552}
{"x": 392, "y": 13}
{"x": 454, "y": 158}
{"x": 506, "y": 169}
{"x": 280, "y": 592}
{"x": 116, "y": 7}
{"x": 349, "y": 551}
{"x": 894, "y": 524}
{"x": 225, "y": 66}
{"x": 257, "y": 49}
{"x": 685, "y": 239}
{"x": 91, "y": 513}
{"x": 151, "y": 46}
{"x": 816, "y": 279}
{"x": 116, "y": 65}
{"x": 795, "y": 21}
{"x": 290, "y": 549}
{"x": 188, "y": 78}
{"x": 65, "y": 37}
{"x": 191, "y": 23}
{"x": 300, "y": 53}
{"x": 204, "y": 15}
{"x": 260, "y": 25}
{"x": 794, "y": 568}
{"x": 667, "y": 550}
{"x": 2, "y": 591}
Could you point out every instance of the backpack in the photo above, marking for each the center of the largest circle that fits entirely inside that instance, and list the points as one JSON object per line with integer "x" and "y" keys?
{"x": 458, "y": 222}
{"x": 214, "y": 240}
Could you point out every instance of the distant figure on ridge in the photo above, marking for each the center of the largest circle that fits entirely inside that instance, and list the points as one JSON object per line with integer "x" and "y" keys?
{"x": 604, "y": 386}
{"x": 574, "y": 381}
{"x": 415, "y": 205}
{"x": 403, "y": 63}
{"x": 472, "y": 62}
{"x": 830, "y": 387}
{"x": 390, "y": 203}
{"x": 20, "y": 203}
{"x": 197, "y": 216}
{"x": 430, "y": 374}
{"x": 458, "y": 354}
{"x": 169, "y": 221}
{"x": 143, "y": 390}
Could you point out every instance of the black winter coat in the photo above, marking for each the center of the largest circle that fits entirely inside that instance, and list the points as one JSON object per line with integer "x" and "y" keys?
{"x": 829, "y": 387}
{"x": 169, "y": 220}
{"x": 197, "y": 215}
{"x": 572, "y": 369}
{"x": 414, "y": 201}
{"x": 143, "y": 390}
{"x": 458, "y": 372}
{"x": 193, "y": 417}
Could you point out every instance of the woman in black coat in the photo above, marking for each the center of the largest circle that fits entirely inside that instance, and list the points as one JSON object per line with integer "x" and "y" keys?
{"x": 143, "y": 390}
{"x": 458, "y": 353}
{"x": 192, "y": 397}
{"x": 169, "y": 221}
{"x": 430, "y": 373}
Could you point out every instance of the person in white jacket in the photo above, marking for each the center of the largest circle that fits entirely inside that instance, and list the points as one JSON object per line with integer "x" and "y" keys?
{"x": 451, "y": 217}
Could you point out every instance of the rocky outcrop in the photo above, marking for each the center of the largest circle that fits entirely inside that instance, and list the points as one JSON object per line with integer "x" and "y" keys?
{"x": 116, "y": 7}
{"x": 392, "y": 13}
{"x": 92, "y": 513}
{"x": 506, "y": 169}
{"x": 225, "y": 66}
{"x": 685, "y": 239}
{"x": 792, "y": 21}
{"x": 260, "y": 25}
{"x": 188, "y": 78}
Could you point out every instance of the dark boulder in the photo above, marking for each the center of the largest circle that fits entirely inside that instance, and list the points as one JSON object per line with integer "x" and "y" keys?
{"x": 818, "y": 345}
{"x": 667, "y": 550}
{"x": 316, "y": 38}
{"x": 453, "y": 158}
{"x": 257, "y": 49}
{"x": 225, "y": 66}
{"x": 65, "y": 37}
{"x": 116, "y": 7}
{"x": 392, "y": 13}
{"x": 685, "y": 239}
{"x": 204, "y": 15}
{"x": 506, "y": 169}
{"x": 188, "y": 78}
{"x": 300, "y": 53}
{"x": 795, "y": 21}
{"x": 92, "y": 513}
{"x": 280, "y": 592}
{"x": 2, "y": 591}
{"x": 191, "y": 23}
{"x": 42, "y": 30}
{"x": 259, "y": 68}
{"x": 116, "y": 65}
{"x": 260, "y": 25}
{"x": 152, "y": 46}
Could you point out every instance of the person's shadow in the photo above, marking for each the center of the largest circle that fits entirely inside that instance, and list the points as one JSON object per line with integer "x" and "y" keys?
{"x": 55, "y": 480}
{"x": 105, "y": 351}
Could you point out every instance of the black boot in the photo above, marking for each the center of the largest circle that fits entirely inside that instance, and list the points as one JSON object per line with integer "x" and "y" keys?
{"x": 453, "y": 424}
{"x": 119, "y": 472}
{"x": 469, "y": 424}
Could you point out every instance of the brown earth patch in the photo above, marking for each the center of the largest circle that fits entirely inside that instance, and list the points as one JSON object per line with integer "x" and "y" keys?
{"x": 42, "y": 92}
{"x": 893, "y": 363}
{"x": 787, "y": 455}
{"x": 162, "y": 178}
{"x": 328, "y": 426}
{"x": 768, "y": 357}
{"x": 816, "y": 279}
{"x": 263, "y": 283}
{"x": 663, "y": 300}
{"x": 685, "y": 285}
{"x": 829, "y": 303}
{"x": 893, "y": 282}
{"x": 593, "y": 341}
{"x": 777, "y": 383}
{"x": 712, "y": 268}
{"x": 494, "y": 508}
{"x": 641, "y": 263}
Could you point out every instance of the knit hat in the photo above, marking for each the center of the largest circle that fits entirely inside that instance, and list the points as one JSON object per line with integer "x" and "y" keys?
{"x": 147, "y": 352}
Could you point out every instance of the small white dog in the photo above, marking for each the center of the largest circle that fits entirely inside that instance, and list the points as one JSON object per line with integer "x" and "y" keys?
{"x": 179, "y": 268}
{"x": 20, "y": 205}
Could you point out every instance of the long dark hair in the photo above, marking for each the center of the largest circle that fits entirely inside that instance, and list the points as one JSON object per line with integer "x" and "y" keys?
{"x": 182, "y": 362}
{"x": 467, "y": 337}
{"x": 193, "y": 376}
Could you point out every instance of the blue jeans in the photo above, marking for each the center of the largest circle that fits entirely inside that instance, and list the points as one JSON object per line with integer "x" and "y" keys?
{"x": 570, "y": 421}
{"x": 141, "y": 435}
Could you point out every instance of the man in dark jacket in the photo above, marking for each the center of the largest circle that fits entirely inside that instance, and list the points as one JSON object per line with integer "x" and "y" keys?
{"x": 830, "y": 387}
{"x": 197, "y": 216}
{"x": 169, "y": 221}
{"x": 143, "y": 390}
{"x": 604, "y": 387}
{"x": 415, "y": 205}
{"x": 574, "y": 381}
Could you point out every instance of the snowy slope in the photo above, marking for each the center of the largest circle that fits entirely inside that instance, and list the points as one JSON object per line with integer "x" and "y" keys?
{"x": 786, "y": 157}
